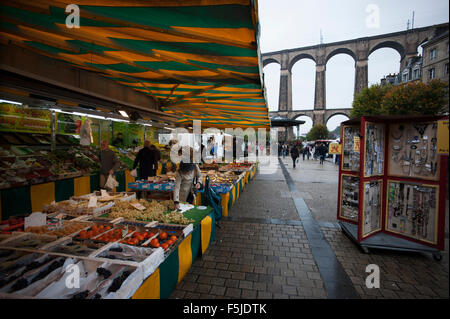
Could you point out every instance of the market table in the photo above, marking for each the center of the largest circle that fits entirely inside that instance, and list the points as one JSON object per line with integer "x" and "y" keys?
{"x": 228, "y": 194}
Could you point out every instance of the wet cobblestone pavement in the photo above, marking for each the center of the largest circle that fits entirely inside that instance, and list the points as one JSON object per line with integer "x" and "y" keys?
{"x": 275, "y": 249}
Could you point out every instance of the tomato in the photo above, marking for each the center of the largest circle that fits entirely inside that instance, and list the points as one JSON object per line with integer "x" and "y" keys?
{"x": 163, "y": 235}
{"x": 164, "y": 246}
{"x": 150, "y": 235}
{"x": 169, "y": 242}
{"x": 154, "y": 242}
{"x": 173, "y": 238}
{"x": 157, "y": 245}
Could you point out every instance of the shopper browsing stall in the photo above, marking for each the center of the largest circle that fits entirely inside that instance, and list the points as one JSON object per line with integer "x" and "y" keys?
{"x": 118, "y": 142}
{"x": 186, "y": 175}
{"x": 147, "y": 159}
{"x": 108, "y": 163}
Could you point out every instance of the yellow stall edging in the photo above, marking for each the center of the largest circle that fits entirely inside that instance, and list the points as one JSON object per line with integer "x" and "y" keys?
{"x": 184, "y": 257}
{"x": 41, "y": 194}
{"x": 81, "y": 185}
{"x": 150, "y": 289}
{"x": 225, "y": 199}
{"x": 206, "y": 232}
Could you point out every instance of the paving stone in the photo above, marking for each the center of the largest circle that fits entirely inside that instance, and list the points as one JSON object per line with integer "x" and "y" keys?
{"x": 264, "y": 295}
{"x": 238, "y": 275}
{"x": 217, "y": 290}
{"x": 245, "y": 284}
{"x": 232, "y": 283}
{"x": 189, "y": 286}
{"x": 233, "y": 292}
{"x": 192, "y": 295}
{"x": 203, "y": 288}
{"x": 204, "y": 279}
{"x": 289, "y": 290}
{"x": 251, "y": 276}
{"x": 274, "y": 288}
{"x": 248, "y": 294}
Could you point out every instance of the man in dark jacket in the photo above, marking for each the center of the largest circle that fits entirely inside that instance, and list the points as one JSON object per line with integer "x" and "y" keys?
{"x": 118, "y": 142}
{"x": 322, "y": 153}
{"x": 294, "y": 153}
{"x": 108, "y": 164}
{"x": 157, "y": 158}
{"x": 146, "y": 158}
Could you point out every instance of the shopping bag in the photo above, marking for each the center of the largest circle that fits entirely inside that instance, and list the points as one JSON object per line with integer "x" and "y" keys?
{"x": 111, "y": 182}
{"x": 133, "y": 173}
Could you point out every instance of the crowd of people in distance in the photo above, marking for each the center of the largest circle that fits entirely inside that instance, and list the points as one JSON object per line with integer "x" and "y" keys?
{"x": 316, "y": 151}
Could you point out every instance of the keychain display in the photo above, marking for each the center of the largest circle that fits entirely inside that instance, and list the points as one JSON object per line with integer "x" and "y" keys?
{"x": 412, "y": 210}
{"x": 372, "y": 207}
{"x": 351, "y": 156}
{"x": 350, "y": 197}
{"x": 413, "y": 150}
{"x": 374, "y": 149}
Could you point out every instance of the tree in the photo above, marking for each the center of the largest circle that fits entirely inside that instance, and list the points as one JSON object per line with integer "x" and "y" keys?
{"x": 318, "y": 132}
{"x": 413, "y": 98}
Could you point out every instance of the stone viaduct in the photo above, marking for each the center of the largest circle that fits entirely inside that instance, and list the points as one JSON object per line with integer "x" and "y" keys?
{"x": 405, "y": 43}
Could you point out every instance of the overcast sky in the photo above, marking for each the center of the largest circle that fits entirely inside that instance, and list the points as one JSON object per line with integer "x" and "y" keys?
{"x": 287, "y": 24}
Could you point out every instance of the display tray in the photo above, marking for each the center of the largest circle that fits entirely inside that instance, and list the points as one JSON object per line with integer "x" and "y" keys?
{"x": 371, "y": 217}
{"x": 351, "y": 148}
{"x": 27, "y": 241}
{"x": 349, "y": 201}
{"x": 412, "y": 210}
{"x": 48, "y": 279}
{"x": 413, "y": 150}
{"x": 374, "y": 149}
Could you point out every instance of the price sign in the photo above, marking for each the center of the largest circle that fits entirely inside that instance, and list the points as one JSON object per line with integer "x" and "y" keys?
{"x": 92, "y": 201}
{"x": 334, "y": 148}
{"x": 104, "y": 193}
{"x": 138, "y": 206}
{"x": 356, "y": 144}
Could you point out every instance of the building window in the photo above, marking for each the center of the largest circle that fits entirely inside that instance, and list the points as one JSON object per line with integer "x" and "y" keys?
{"x": 433, "y": 54}
{"x": 416, "y": 74}
{"x": 405, "y": 77}
{"x": 446, "y": 69}
{"x": 432, "y": 73}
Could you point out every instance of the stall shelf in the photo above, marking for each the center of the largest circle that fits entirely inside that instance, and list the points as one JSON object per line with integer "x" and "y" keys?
{"x": 160, "y": 279}
{"x": 392, "y": 183}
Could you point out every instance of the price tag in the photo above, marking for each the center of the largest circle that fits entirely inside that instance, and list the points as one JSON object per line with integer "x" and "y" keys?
{"x": 188, "y": 230}
{"x": 138, "y": 206}
{"x": 92, "y": 201}
{"x": 35, "y": 219}
{"x": 104, "y": 193}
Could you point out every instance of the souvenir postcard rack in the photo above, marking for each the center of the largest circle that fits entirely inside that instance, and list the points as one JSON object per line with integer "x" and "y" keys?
{"x": 392, "y": 183}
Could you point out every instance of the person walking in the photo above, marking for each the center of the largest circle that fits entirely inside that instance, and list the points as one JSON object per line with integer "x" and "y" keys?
{"x": 294, "y": 154}
{"x": 108, "y": 164}
{"x": 146, "y": 158}
{"x": 312, "y": 151}
{"x": 322, "y": 153}
{"x": 308, "y": 154}
{"x": 304, "y": 151}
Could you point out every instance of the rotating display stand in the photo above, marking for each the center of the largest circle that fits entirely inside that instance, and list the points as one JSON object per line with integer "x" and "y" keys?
{"x": 392, "y": 183}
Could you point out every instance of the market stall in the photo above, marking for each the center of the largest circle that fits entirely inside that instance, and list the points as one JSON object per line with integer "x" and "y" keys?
{"x": 228, "y": 181}
{"x": 392, "y": 182}
{"x": 111, "y": 234}
{"x": 167, "y": 64}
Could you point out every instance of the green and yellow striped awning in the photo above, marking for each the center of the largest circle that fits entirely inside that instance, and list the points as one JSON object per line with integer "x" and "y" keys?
{"x": 198, "y": 58}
